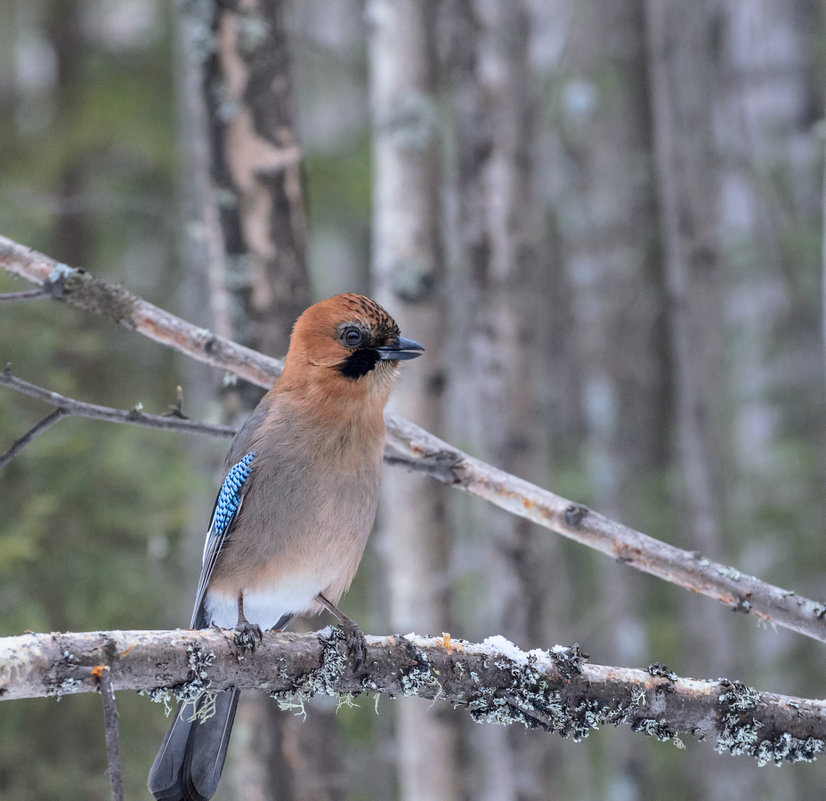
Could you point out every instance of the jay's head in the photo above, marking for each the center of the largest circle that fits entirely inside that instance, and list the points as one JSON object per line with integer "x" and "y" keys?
{"x": 348, "y": 343}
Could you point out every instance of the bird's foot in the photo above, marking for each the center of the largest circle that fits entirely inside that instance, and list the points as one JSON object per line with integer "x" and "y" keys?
{"x": 356, "y": 643}
{"x": 353, "y": 635}
{"x": 246, "y": 634}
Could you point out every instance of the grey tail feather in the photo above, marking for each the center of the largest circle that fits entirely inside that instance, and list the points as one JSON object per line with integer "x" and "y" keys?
{"x": 190, "y": 760}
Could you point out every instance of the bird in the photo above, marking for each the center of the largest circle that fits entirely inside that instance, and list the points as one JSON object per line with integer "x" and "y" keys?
{"x": 294, "y": 511}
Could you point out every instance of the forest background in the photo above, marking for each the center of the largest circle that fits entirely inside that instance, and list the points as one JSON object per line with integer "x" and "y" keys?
{"x": 605, "y": 223}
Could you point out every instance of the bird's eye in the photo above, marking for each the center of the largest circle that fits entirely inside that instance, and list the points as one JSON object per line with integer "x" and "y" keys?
{"x": 352, "y": 336}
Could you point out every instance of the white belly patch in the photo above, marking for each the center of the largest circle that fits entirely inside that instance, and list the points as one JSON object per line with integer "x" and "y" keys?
{"x": 266, "y": 606}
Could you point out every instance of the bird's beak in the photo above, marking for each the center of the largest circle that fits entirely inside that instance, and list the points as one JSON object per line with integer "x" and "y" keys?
{"x": 401, "y": 350}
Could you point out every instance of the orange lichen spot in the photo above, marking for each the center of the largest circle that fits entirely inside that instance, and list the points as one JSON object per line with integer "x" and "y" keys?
{"x": 125, "y": 652}
{"x": 97, "y": 671}
{"x": 528, "y": 504}
{"x": 446, "y": 640}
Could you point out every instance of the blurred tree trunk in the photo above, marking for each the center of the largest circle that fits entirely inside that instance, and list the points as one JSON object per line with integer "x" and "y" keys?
{"x": 251, "y": 230}
{"x": 256, "y": 167}
{"x": 65, "y": 30}
{"x": 69, "y": 232}
{"x": 607, "y": 242}
{"x": 407, "y": 276}
{"x": 497, "y": 357}
{"x": 683, "y": 84}
{"x": 569, "y": 586}
{"x": 770, "y": 100}
{"x": 688, "y": 209}
{"x": 202, "y": 245}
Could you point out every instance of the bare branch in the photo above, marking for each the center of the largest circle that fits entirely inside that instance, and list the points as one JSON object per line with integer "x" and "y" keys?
{"x": 28, "y": 294}
{"x": 78, "y": 288}
{"x": 416, "y": 449}
{"x": 110, "y": 721}
{"x": 69, "y": 406}
{"x": 555, "y": 691}
{"x": 35, "y": 431}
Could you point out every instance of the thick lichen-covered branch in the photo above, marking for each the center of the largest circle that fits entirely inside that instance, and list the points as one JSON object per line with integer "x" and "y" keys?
{"x": 554, "y": 690}
{"x": 416, "y": 449}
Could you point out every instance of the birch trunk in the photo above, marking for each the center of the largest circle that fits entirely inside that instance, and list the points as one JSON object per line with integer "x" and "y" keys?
{"x": 607, "y": 245}
{"x": 499, "y": 360}
{"x": 683, "y": 82}
{"x": 764, "y": 110}
{"x": 252, "y": 232}
{"x": 768, "y": 171}
{"x": 406, "y": 268}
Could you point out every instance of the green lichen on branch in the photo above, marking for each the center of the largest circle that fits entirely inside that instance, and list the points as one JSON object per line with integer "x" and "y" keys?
{"x": 64, "y": 681}
{"x": 741, "y": 734}
{"x": 659, "y": 729}
{"x": 662, "y": 671}
{"x": 110, "y": 300}
{"x": 420, "y": 676}
{"x": 554, "y": 690}
{"x": 326, "y": 679}
{"x": 191, "y": 690}
{"x": 526, "y": 696}
{"x": 96, "y": 296}
{"x": 525, "y": 691}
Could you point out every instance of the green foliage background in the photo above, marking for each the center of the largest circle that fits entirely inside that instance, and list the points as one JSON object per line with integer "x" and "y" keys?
{"x": 90, "y": 513}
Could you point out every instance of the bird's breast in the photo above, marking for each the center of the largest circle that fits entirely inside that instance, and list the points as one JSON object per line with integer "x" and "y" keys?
{"x": 301, "y": 530}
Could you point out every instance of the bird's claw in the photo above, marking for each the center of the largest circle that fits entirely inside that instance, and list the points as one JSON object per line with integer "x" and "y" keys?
{"x": 356, "y": 643}
{"x": 246, "y": 634}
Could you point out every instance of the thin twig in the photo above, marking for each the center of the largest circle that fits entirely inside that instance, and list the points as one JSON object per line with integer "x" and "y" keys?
{"x": 416, "y": 449}
{"x": 78, "y": 288}
{"x": 110, "y": 720}
{"x": 69, "y": 406}
{"x": 28, "y": 294}
{"x": 35, "y": 431}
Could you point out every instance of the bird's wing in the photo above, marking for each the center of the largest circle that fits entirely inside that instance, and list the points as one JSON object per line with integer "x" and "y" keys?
{"x": 224, "y": 513}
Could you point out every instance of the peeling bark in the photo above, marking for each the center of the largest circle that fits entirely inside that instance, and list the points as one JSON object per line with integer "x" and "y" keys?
{"x": 256, "y": 165}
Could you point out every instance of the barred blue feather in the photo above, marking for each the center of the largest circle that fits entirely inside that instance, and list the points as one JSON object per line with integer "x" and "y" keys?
{"x": 229, "y": 497}
{"x": 227, "y": 505}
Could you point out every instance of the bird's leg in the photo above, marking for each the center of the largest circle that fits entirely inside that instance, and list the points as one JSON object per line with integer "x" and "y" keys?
{"x": 246, "y": 632}
{"x": 355, "y": 637}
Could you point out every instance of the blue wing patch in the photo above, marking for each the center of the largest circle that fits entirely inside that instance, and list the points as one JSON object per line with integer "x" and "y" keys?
{"x": 229, "y": 498}
{"x": 227, "y": 505}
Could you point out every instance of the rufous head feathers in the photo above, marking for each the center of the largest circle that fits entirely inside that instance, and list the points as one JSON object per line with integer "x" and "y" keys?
{"x": 347, "y": 341}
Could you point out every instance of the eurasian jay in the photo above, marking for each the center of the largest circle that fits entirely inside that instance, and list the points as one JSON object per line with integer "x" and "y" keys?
{"x": 295, "y": 509}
